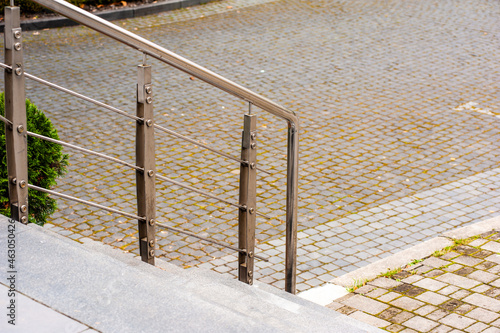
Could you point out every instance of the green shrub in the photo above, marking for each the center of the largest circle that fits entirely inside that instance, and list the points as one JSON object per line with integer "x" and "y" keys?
{"x": 46, "y": 162}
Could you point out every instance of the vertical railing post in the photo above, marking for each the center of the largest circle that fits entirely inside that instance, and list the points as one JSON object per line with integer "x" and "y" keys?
{"x": 291, "y": 208}
{"x": 145, "y": 156}
{"x": 248, "y": 200}
{"x": 15, "y": 111}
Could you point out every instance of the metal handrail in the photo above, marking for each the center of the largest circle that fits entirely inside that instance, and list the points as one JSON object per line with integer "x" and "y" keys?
{"x": 146, "y": 47}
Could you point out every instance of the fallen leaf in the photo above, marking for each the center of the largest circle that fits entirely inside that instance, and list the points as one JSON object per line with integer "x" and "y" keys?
{"x": 100, "y": 6}
{"x": 192, "y": 78}
{"x": 82, "y": 6}
{"x": 229, "y": 7}
{"x": 124, "y": 3}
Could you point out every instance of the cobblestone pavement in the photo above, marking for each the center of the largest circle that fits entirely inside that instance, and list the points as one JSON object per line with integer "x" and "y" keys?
{"x": 455, "y": 290}
{"x": 398, "y": 102}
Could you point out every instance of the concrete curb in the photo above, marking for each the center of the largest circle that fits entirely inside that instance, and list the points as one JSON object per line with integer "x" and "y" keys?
{"x": 111, "y": 15}
{"x": 419, "y": 251}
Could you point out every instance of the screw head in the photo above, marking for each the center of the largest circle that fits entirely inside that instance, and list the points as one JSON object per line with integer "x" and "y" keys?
{"x": 151, "y": 243}
{"x": 24, "y": 219}
{"x": 149, "y": 100}
{"x": 17, "y": 34}
{"x": 253, "y": 145}
{"x": 151, "y": 222}
{"x": 20, "y": 128}
{"x": 250, "y": 273}
{"x": 149, "y": 122}
{"x": 253, "y": 136}
{"x": 250, "y": 254}
{"x": 24, "y": 208}
{"x": 17, "y": 46}
{"x": 151, "y": 173}
{"x": 252, "y": 165}
{"x": 18, "y": 71}
{"x": 22, "y": 184}
{"x": 251, "y": 210}
{"x": 149, "y": 90}
{"x": 152, "y": 253}
{"x": 14, "y": 180}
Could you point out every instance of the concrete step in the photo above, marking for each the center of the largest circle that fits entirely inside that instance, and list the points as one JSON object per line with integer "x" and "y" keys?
{"x": 111, "y": 291}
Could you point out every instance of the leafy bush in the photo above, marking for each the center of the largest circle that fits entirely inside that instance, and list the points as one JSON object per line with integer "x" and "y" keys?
{"x": 46, "y": 162}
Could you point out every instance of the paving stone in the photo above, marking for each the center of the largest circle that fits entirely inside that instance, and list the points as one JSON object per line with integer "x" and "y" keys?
{"x": 374, "y": 321}
{"x": 483, "y": 301}
{"x": 483, "y": 315}
{"x": 476, "y": 328}
{"x": 491, "y": 330}
{"x": 467, "y": 260}
{"x": 425, "y": 310}
{"x": 441, "y": 329}
{"x": 457, "y": 280}
{"x": 491, "y": 246}
{"x": 401, "y": 317}
{"x": 420, "y": 324}
{"x": 430, "y": 284}
{"x": 457, "y": 321}
{"x": 482, "y": 276}
{"x": 438, "y": 314}
{"x": 448, "y": 290}
{"x": 407, "y": 303}
{"x": 365, "y": 304}
{"x": 394, "y": 328}
{"x": 435, "y": 262}
{"x": 432, "y": 298}
{"x": 460, "y": 294}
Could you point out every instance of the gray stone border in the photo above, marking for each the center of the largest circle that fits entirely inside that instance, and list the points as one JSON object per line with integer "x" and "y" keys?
{"x": 419, "y": 251}
{"x": 111, "y": 15}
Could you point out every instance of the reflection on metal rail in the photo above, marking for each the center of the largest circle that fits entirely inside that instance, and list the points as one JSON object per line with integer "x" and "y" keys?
{"x": 207, "y": 240}
{"x": 64, "y": 196}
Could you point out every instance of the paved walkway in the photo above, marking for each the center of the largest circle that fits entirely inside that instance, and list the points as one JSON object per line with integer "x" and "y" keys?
{"x": 456, "y": 289}
{"x": 398, "y": 102}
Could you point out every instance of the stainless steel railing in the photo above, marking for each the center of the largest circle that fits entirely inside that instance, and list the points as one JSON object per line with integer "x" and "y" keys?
{"x": 148, "y": 48}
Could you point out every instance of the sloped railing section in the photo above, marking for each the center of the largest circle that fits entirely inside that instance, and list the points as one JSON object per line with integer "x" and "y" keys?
{"x": 146, "y": 128}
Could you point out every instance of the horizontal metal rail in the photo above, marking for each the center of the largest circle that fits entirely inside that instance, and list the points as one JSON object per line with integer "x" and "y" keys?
{"x": 187, "y": 187}
{"x": 198, "y": 191}
{"x": 69, "y": 145}
{"x": 5, "y": 120}
{"x": 116, "y": 110}
{"x": 41, "y": 189}
{"x": 71, "y": 92}
{"x": 188, "y": 233}
{"x": 185, "y": 138}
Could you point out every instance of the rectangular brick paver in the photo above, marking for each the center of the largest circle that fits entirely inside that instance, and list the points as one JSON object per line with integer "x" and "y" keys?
{"x": 420, "y": 324}
{"x": 457, "y": 321}
{"x": 458, "y": 280}
{"x": 407, "y": 303}
{"x": 365, "y": 304}
{"x": 432, "y": 298}
{"x": 483, "y": 315}
{"x": 430, "y": 284}
{"x": 483, "y": 301}
{"x": 374, "y": 321}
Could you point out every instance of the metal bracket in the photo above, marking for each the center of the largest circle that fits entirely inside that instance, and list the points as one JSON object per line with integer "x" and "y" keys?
{"x": 13, "y": 38}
